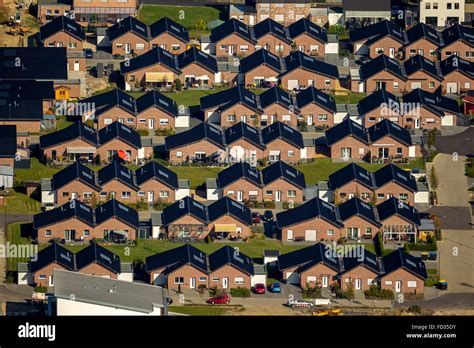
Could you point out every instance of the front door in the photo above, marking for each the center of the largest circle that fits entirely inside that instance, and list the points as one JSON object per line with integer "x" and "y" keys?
{"x": 289, "y": 235}
{"x": 192, "y": 283}
{"x": 392, "y": 52}
{"x": 277, "y": 196}
{"x": 69, "y": 235}
{"x": 151, "y": 123}
{"x": 310, "y": 120}
{"x": 151, "y": 196}
{"x": 225, "y": 283}
{"x": 76, "y": 65}
{"x": 51, "y": 280}
{"x": 398, "y": 286}
{"x": 231, "y": 50}
{"x": 128, "y": 48}
{"x": 358, "y": 284}
{"x": 324, "y": 281}
{"x": 73, "y": 195}
{"x": 240, "y": 196}
{"x": 383, "y": 152}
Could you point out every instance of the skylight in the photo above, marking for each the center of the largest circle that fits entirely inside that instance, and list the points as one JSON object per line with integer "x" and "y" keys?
{"x": 162, "y": 173}
{"x": 73, "y": 28}
{"x": 125, "y": 174}
{"x": 411, "y": 263}
{"x": 65, "y": 257}
{"x": 87, "y": 175}
{"x": 105, "y": 257}
{"x": 198, "y": 205}
{"x": 293, "y": 175}
{"x": 123, "y": 207}
{"x": 403, "y": 177}
{"x": 161, "y": 101}
{"x": 288, "y": 129}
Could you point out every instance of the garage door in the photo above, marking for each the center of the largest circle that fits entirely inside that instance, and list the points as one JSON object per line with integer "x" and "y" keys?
{"x": 447, "y": 120}
{"x": 415, "y": 85}
{"x": 310, "y": 235}
{"x": 292, "y": 278}
{"x": 452, "y": 87}
{"x": 292, "y": 84}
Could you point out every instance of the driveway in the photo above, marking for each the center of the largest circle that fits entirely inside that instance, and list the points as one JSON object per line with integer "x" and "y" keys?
{"x": 447, "y": 301}
{"x": 462, "y": 143}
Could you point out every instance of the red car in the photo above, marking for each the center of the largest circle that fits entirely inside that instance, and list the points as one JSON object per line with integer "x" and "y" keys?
{"x": 224, "y": 299}
{"x": 259, "y": 288}
{"x": 256, "y": 218}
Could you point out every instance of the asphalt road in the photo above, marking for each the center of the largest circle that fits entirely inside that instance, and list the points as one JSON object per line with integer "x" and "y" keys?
{"x": 462, "y": 143}
{"x": 453, "y": 218}
{"x": 447, "y": 301}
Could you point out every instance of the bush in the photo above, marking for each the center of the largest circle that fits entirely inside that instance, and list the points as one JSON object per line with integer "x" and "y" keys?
{"x": 415, "y": 309}
{"x": 379, "y": 247}
{"x": 375, "y": 292}
{"x": 142, "y": 132}
{"x": 310, "y": 292}
{"x": 178, "y": 85}
{"x": 216, "y": 291}
{"x": 240, "y": 292}
{"x": 41, "y": 289}
{"x": 269, "y": 205}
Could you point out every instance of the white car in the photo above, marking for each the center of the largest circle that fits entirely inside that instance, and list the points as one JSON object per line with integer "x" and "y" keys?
{"x": 299, "y": 304}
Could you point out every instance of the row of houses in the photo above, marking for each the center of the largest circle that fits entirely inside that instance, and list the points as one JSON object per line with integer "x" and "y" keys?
{"x": 151, "y": 183}
{"x": 452, "y": 75}
{"x": 82, "y": 142}
{"x": 386, "y": 37}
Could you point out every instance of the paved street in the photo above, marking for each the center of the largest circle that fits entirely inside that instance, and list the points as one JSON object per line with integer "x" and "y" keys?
{"x": 447, "y": 301}
{"x": 462, "y": 143}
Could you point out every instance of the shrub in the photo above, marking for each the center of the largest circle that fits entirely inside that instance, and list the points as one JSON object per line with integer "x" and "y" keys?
{"x": 41, "y": 289}
{"x": 216, "y": 291}
{"x": 269, "y": 205}
{"x": 178, "y": 84}
{"x": 312, "y": 292}
{"x": 142, "y": 132}
{"x": 240, "y": 292}
{"x": 379, "y": 247}
{"x": 415, "y": 309}
{"x": 375, "y": 292}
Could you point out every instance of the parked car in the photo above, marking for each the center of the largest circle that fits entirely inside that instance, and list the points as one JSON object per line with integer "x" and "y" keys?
{"x": 224, "y": 299}
{"x": 256, "y": 218}
{"x": 88, "y": 53}
{"x": 259, "y": 288}
{"x": 299, "y": 304}
{"x": 275, "y": 288}
{"x": 267, "y": 215}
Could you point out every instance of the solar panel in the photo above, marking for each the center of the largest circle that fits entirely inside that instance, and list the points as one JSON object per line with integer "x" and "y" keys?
{"x": 166, "y": 53}
{"x": 161, "y": 101}
{"x": 254, "y": 174}
{"x": 237, "y": 205}
{"x": 271, "y": 56}
{"x": 198, "y": 205}
{"x": 427, "y": 61}
{"x": 126, "y": 129}
{"x": 293, "y": 175}
{"x": 73, "y": 28}
{"x": 365, "y": 205}
{"x": 243, "y": 29}
{"x": 87, "y": 128}
{"x": 288, "y": 129}
{"x": 9, "y": 64}
{"x": 123, "y": 207}
{"x": 364, "y": 176}
{"x": 175, "y": 28}
{"x": 327, "y": 206}
{"x": 198, "y": 259}
{"x": 250, "y": 129}
{"x": 402, "y": 177}
{"x": 429, "y": 100}
{"x": 9, "y": 52}
{"x": 411, "y": 263}
{"x": 202, "y": 54}
{"x": 126, "y": 102}
{"x": 87, "y": 175}
{"x": 65, "y": 257}
{"x": 314, "y": 29}
{"x": 358, "y": 126}
{"x": 322, "y": 98}
{"x": 125, "y": 174}
{"x": 396, "y": 126}
{"x": 308, "y": 58}
{"x": 279, "y": 30}
{"x": 372, "y": 261}
{"x": 250, "y": 100}
{"x": 105, "y": 257}
{"x": 162, "y": 173}
{"x": 286, "y": 99}
{"x": 85, "y": 207}
{"x": 212, "y": 129}
{"x": 142, "y": 29}
{"x": 433, "y": 35}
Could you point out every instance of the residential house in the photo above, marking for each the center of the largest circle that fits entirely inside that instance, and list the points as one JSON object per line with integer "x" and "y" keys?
{"x": 283, "y": 183}
{"x": 8, "y": 145}
{"x": 104, "y": 13}
{"x": 284, "y": 143}
{"x": 458, "y": 75}
{"x": 51, "y": 9}
{"x": 422, "y": 40}
{"x": 403, "y": 273}
{"x": 423, "y": 73}
{"x": 393, "y": 181}
{"x": 400, "y": 221}
{"x": 272, "y": 36}
{"x": 359, "y": 272}
{"x": 316, "y": 108}
{"x": 429, "y": 110}
{"x": 351, "y": 181}
{"x": 239, "y": 181}
{"x": 347, "y": 141}
{"x": 302, "y": 70}
{"x": 459, "y": 41}
{"x": 229, "y": 268}
{"x": 244, "y": 143}
{"x": 289, "y": 12}
{"x": 378, "y": 106}
{"x": 359, "y": 219}
{"x": 156, "y": 111}
{"x": 198, "y": 69}
{"x": 312, "y": 221}
{"x": 169, "y": 35}
{"x": 233, "y": 38}
{"x": 362, "y": 12}
{"x": 441, "y": 13}
{"x": 260, "y": 69}
{"x": 129, "y": 36}
{"x": 308, "y": 37}
{"x": 114, "y": 220}
{"x": 196, "y": 144}
{"x": 118, "y": 182}
{"x": 277, "y": 105}
{"x": 384, "y": 37}
{"x": 229, "y": 219}
{"x": 312, "y": 266}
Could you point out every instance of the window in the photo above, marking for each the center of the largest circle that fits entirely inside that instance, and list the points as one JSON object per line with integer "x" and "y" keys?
{"x": 126, "y": 194}
{"x": 368, "y": 230}
{"x": 371, "y": 119}
{"x": 380, "y": 195}
{"x": 286, "y": 118}
{"x": 322, "y": 117}
{"x": 327, "y": 83}
{"x": 202, "y": 279}
{"x": 238, "y": 280}
{"x": 467, "y": 85}
{"x": 268, "y": 192}
{"x": 42, "y": 277}
{"x": 215, "y": 279}
{"x": 244, "y": 48}
{"x": 86, "y": 233}
{"x": 342, "y": 195}
{"x": 103, "y": 194}
{"x": 403, "y": 196}
{"x": 431, "y": 84}
{"x": 279, "y": 18}
{"x": 412, "y": 52}
{"x": 279, "y": 48}
{"x": 164, "y": 194}
{"x": 379, "y": 50}
{"x": 230, "y": 118}
{"x": 428, "y": 6}
{"x": 47, "y": 233}
{"x": 456, "y": 6}
{"x": 230, "y": 193}
{"x": 141, "y": 120}
{"x": 140, "y": 46}
{"x": 72, "y": 45}
{"x": 141, "y": 193}
{"x": 411, "y": 284}
{"x": 130, "y": 120}
{"x": 291, "y": 153}
{"x": 388, "y": 282}
{"x": 330, "y": 232}
{"x": 107, "y": 121}
{"x": 291, "y": 193}
{"x": 179, "y": 280}
{"x": 399, "y": 151}
{"x": 395, "y": 84}
{"x": 175, "y": 47}
{"x": 435, "y": 5}
{"x": 164, "y": 121}
{"x": 449, "y": 6}
{"x": 65, "y": 194}
{"x": 365, "y": 195}
{"x": 179, "y": 154}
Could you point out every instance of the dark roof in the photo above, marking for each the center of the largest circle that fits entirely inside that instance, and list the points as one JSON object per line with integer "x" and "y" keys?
{"x": 237, "y": 171}
{"x": 420, "y": 63}
{"x": 94, "y": 253}
{"x": 155, "y": 56}
{"x": 227, "y": 206}
{"x": 423, "y": 31}
{"x": 37, "y": 63}
{"x": 155, "y": 170}
{"x": 243, "y": 131}
{"x": 196, "y": 56}
{"x": 8, "y": 141}
{"x": 382, "y": 63}
{"x": 159, "y": 100}
{"x": 456, "y": 63}
{"x": 116, "y": 171}
{"x": 314, "y": 95}
{"x": 345, "y": 129}
{"x": 259, "y": 58}
{"x": 436, "y": 103}
{"x": 276, "y": 95}
{"x": 77, "y": 130}
{"x": 167, "y": 25}
{"x": 232, "y": 26}
{"x": 399, "y": 259}
{"x": 177, "y": 257}
{"x": 351, "y": 172}
{"x": 70, "y": 210}
{"x": 308, "y": 257}
{"x": 117, "y": 130}
{"x": 279, "y": 130}
{"x": 113, "y": 209}
{"x": 76, "y": 171}
{"x": 393, "y": 206}
{"x": 64, "y": 24}
{"x": 232, "y": 257}
{"x": 27, "y": 89}
{"x": 229, "y": 97}
{"x": 357, "y": 5}
{"x": 458, "y": 32}
{"x": 389, "y": 128}
{"x": 129, "y": 24}
{"x": 203, "y": 131}
{"x": 376, "y": 99}
{"x": 53, "y": 253}
{"x": 392, "y": 173}
{"x": 314, "y": 208}
{"x": 356, "y": 207}
{"x": 281, "y": 170}
{"x": 376, "y": 31}
{"x": 299, "y": 59}
{"x": 185, "y": 206}
{"x": 367, "y": 259}
{"x": 269, "y": 26}
{"x": 305, "y": 26}
{"x": 108, "y": 100}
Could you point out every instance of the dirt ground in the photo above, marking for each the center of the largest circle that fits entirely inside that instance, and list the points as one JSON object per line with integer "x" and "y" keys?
{"x": 27, "y": 20}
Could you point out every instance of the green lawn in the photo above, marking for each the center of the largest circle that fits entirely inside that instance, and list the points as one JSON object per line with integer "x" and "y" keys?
{"x": 186, "y": 98}
{"x": 21, "y": 204}
{"x": 351, "y": 98}
{"x": 470, "y": 167}
{"x": 199, "y": 310}
{"x": 14, "y": 237}
{"x": 194, "y": 18}
{"x": 37, "y": 171}
{"x": 62, "y": 122}
{"x": 196, "y": 175}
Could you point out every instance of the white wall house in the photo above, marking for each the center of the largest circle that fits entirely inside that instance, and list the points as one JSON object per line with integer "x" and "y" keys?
{"x": 441, "y": 13}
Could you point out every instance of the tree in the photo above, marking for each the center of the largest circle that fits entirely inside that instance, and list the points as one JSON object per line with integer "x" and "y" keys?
{"x": 431, "y": 138}
{"x": 433, "y": 179}
{"x": 94, "y": 202}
